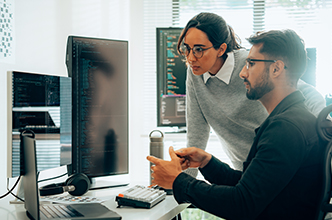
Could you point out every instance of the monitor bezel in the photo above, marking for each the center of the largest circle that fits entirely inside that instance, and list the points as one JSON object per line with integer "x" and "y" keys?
{"x": 75, "y": 168}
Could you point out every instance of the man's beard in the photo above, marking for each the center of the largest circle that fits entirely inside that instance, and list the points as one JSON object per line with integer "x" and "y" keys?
{"x": 260, "y": 89}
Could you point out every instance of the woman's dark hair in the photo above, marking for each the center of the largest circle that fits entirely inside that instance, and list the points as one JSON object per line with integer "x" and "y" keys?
{"x": 283, "y": 45}
{"x": 216, "y": 28}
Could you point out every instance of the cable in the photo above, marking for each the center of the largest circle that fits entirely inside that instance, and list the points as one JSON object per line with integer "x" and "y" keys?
{"x": 7, "y": 193}
{"x": 10, "y": 191}
{"x": 52, "y": 178}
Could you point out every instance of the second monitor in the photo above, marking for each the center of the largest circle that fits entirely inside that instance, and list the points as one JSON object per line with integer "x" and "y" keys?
{"x": 171, "y": 77}
{"x": 41, "y": 103}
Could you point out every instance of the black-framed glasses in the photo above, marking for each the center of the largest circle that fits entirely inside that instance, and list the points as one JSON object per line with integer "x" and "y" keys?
{"x": 251, "y": 61}
{"x": 198, "y": 51}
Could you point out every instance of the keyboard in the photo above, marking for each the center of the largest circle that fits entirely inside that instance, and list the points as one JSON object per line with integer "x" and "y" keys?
{"x": 140, "y": 197}
{"x": 69, "y": 199}
{"x": 59, "y": 211}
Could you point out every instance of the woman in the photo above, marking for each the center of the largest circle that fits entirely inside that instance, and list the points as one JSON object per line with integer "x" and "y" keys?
{"x": 216, "y": 97}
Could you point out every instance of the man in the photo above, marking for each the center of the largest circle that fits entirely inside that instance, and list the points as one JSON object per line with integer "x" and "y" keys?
{"x": 280, "y": 178}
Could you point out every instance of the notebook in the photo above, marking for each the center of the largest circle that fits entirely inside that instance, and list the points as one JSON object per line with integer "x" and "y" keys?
{"x": 31, "y": 195}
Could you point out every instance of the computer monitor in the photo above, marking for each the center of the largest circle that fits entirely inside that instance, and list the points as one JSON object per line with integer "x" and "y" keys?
{"x": 37, "y": 102}
{"x": 171, "y": 79}
{"x": 99, "y": 71}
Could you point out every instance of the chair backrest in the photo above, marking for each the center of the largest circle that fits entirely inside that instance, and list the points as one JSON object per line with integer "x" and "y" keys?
{"x": 324, "y": 130}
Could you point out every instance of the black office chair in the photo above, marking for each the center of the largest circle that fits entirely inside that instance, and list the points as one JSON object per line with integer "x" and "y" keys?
{"x": 325, "y": 135}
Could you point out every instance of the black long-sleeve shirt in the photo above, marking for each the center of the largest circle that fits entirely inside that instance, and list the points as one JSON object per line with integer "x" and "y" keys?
{"x": 281, "y": 177}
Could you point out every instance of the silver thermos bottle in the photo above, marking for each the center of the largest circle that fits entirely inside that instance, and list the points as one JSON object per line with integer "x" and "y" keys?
{"x": 156, "y": 145}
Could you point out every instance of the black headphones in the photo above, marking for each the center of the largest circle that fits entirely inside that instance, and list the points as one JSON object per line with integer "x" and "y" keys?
{"x": 322, "y": 124}
{"x": 76, "y": 185}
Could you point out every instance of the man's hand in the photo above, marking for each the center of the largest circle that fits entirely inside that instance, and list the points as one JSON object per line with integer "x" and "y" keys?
{"x": 165, "y": 172}
{"x": 194, "y": 157}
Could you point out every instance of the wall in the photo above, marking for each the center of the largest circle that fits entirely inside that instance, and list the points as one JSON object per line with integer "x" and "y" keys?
{"x": 40, "y": 34}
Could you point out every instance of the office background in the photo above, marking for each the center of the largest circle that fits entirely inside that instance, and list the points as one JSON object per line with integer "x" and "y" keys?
{"x": 40, "y": 29}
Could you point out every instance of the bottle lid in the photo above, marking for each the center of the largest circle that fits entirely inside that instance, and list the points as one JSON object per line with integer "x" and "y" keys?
{"x": 156, "y": 138}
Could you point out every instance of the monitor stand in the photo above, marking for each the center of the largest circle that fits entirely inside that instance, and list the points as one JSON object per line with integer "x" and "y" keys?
{"x": 19, "y": 193}
{"x": 109, "y": 181}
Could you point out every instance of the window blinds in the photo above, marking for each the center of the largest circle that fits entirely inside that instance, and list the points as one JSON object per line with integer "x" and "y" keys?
{"x": 156, "y": 14}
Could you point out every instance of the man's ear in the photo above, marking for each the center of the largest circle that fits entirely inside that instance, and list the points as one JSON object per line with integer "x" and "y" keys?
{"x": 222, "y": 49}
{"x": 277, "y": 68}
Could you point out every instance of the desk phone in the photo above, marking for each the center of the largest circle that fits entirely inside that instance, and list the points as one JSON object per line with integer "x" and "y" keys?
{"x": 140, "y": 197}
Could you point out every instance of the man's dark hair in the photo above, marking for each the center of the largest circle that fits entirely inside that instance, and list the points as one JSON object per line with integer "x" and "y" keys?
{"x": 283, "y": 45}
{"x": 216, "y": 28}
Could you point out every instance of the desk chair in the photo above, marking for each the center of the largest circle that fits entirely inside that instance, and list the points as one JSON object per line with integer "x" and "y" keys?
{"x": 325, "y": 137}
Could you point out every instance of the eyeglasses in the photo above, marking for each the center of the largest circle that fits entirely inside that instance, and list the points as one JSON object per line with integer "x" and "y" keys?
{"x": 250, "y": 62}
{"x": 198, "y": 51}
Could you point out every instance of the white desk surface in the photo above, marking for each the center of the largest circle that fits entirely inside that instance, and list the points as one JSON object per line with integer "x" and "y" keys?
{"x": 165, "y": 210}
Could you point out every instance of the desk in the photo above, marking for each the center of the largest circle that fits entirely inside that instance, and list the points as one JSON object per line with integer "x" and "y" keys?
{"x": 165, "y": 210}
